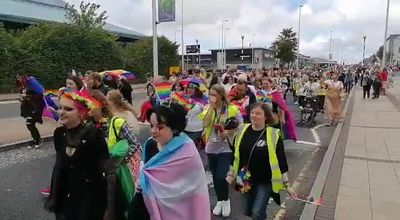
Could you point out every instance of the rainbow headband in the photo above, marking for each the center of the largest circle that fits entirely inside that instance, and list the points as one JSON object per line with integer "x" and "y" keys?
{"x": 82, "y": 97}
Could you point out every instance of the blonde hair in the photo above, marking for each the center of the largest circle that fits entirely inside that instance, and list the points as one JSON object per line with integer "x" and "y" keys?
{"x": 118, "y": 100}
{"x": 221, "y": 91}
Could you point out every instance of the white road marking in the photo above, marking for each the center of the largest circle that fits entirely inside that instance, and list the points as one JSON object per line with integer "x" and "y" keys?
{"x": 318, "y": 126}
{"x": 9, "y": 102}
{"x": 308, "y": 143}
{"x": 315, "y": 134}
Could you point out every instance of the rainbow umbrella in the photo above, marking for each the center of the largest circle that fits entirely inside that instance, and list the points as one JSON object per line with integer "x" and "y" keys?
{"x": 114, "y": 74}
{"x": 197, "y": 81}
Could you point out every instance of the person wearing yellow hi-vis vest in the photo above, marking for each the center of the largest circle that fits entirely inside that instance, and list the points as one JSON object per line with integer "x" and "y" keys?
{"x": 218, "y": 151}
{"x": 259, "y": 168}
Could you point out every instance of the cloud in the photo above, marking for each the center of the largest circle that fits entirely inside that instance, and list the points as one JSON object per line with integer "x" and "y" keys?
{"x": 348, "y": 19}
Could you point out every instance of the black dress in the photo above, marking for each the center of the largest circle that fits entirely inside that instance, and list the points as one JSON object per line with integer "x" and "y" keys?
{"x": 78, "y": 186}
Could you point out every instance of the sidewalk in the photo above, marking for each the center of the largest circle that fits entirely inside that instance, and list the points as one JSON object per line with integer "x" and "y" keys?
{"x": 370, "y": 177}
{"x": 13, "y": 130}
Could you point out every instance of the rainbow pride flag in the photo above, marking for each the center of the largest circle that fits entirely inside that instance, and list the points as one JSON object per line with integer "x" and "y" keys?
{"x": 163, "y": 90}
{"x": 181, "y": 100}
{"x": 51, "y": 93}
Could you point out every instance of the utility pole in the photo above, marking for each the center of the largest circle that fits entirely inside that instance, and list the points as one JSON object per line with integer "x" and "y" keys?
{"x": 386, "y": 30}
{"x": 298, "y": 39}
{"x": 155, "y": 42}
{"x": 182, "y": 42}
{"x": 363, "y": 55}
{"x": 242, "y": 50}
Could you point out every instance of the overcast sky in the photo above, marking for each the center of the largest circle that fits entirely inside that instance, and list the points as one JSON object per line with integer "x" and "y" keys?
{"x": 349, "y": 20}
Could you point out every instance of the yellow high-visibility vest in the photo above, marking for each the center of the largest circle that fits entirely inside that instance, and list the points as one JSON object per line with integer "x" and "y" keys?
{"x": 272, "y": 137}
{"x": 112, "y": 139}
{"x": 232, "y": 112}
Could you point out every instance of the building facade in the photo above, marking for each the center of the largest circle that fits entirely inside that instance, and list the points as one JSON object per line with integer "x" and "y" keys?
{"x": 17, "y": 14}
{"x": 393, "y": 49}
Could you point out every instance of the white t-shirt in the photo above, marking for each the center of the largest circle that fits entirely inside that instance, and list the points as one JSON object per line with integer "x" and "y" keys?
{"x": 193, "y": 123}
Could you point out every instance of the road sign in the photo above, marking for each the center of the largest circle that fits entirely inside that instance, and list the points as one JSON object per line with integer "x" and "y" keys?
{"x": 192, "y": 48}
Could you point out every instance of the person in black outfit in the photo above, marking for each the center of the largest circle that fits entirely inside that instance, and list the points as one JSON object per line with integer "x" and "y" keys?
{"x": 95, "y": 82}
{"x": 376, "y": 85}
{"x": 252, "y": 153}
{"x": 78, "y": 183}
{"x": 366, "y": 83}
{"x": 126, "y": 90}
{"x": 32, "y": 106}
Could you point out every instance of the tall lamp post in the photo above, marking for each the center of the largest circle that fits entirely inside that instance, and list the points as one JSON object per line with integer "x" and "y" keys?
{"x": 241, "y": 57}
{"x": 386, "y": 30}
{"x": 363, "y": 55}
{"x": 198, "y": 51}
{"x": 223, "y": 43}
{"x": 298, "y": 39}
{"x": 182, "y": 42}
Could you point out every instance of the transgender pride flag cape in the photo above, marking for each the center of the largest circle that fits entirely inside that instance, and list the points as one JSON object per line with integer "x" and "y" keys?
{"x": 174, "y": 183}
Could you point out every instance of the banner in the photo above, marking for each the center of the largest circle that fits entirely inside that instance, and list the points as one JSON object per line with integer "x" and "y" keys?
{"x": 166, "y": 10}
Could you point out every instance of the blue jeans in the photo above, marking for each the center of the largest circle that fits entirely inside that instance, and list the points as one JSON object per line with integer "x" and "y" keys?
{"x": 255, "y": 202}
{"x": 219, "y": 166}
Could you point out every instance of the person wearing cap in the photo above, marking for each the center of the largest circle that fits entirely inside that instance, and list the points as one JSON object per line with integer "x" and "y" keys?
{"x": 78, "y": 183}
{"x": 194, "y": 127}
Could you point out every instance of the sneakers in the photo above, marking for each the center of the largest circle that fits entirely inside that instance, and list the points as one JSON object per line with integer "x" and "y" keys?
{"x": 45, "y": 191}
{"x": 29, "y": 147}
{"x": 218, "y": 208}
{"x": 226, "y": 208}
{"x": 36, "y": 146}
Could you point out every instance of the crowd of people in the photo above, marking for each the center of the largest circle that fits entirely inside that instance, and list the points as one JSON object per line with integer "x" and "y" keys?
{"x": 239, "y": 119}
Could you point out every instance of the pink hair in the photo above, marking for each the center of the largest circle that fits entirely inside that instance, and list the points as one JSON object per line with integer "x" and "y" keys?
{"x": 82, "y": 109}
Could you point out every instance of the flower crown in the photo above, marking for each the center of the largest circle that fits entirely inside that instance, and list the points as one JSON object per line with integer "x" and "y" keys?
{"x": 82, "y": 97}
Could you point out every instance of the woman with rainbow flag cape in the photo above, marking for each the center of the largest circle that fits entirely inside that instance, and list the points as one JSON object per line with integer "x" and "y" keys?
{"x": 278, "y": 106}
{"x": 172, "y": 182}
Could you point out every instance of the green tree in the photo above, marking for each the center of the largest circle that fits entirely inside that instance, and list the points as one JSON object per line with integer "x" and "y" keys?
{"x": 50, "y": 50}
{"x": 286, "y": 45}
{"x": 139, "y": 55}
{"x": 379, "y": 53}
{"x": 87, "y": 16}
{"x": 6, "y": 58}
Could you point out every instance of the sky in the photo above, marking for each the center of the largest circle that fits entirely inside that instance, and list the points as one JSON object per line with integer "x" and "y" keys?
{"x": 260, "y": 21}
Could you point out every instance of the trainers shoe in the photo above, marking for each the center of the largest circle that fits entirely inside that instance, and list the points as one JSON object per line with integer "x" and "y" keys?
{"x": 226, "y": 208}
{"x": 45, "y": 191}
{"x": 36, "y": 146}
{"x": 218, "y": 208}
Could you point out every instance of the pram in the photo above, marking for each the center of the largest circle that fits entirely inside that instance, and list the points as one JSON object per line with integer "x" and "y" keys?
{"x": 308, "y": 111}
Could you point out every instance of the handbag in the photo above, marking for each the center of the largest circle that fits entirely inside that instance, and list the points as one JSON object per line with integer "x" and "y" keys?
{"x": 243, "y": 178}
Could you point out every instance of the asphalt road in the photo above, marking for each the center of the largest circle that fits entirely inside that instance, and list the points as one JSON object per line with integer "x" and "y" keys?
{"x": 25, "y": 171}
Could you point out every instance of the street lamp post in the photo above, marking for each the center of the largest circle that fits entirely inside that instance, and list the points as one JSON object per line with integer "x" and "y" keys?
{"x": 298, "y": 39}
{"x": 223, "y": 43}
{"x": 197, "y": 48}
{"x": 363, "y": 55}
{"x": 242, "y": 50}
{"x": 386, "y": 30}
{"x": 252, "y": 52}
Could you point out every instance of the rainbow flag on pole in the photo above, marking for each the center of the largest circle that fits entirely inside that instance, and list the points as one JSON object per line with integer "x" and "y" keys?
{"x": 181, "y": 100}
{"x": 163, "y": 90}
